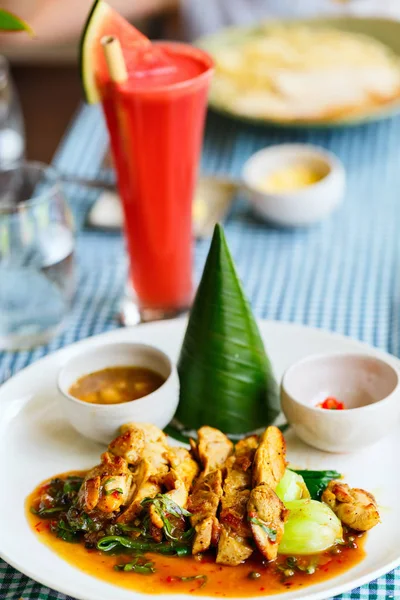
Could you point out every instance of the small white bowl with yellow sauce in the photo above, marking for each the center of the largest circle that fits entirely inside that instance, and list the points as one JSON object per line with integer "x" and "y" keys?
{"x": 294, "y": 185}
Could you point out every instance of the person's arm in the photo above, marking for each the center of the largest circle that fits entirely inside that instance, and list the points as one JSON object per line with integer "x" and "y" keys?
{"x": 62, "y": 20}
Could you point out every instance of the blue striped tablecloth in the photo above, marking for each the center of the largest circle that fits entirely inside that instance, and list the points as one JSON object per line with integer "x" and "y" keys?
{"x": 342, "y": 275}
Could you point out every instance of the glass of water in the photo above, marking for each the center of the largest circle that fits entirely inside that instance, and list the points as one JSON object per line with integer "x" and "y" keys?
{"x": 12, "y": 137}
{"x": 36, "y": 255}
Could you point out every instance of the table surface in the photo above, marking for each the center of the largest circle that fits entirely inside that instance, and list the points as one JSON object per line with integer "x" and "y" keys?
{"x": 342, "y": 275}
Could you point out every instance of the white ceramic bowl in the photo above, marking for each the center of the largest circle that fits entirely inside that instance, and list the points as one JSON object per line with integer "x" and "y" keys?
{"x": 368, "y": 386}
{"x": 100, "y": 422}
{"x": 302, "y": 207}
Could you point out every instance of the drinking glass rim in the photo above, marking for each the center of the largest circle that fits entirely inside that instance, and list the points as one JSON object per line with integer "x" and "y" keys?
{"x": 48, "y": 170}
{"x": 4, "y": 70}
{"x": 209, "y": 64}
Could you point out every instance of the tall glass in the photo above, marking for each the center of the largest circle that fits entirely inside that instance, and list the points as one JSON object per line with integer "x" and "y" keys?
{"x": 36, "y": 256}
{"x": 156, "y": 124}
{"x": 12, "y": 137}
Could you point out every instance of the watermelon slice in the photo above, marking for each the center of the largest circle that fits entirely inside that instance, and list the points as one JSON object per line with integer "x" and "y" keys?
{"x": 104, "y": 21}
{"x": 10, "y": 22}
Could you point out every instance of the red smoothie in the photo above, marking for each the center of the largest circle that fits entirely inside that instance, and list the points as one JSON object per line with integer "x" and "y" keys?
{"x": 156, "y": 121}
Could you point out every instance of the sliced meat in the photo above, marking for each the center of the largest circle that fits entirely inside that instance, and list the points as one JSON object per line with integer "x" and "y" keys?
{"x": 203, "y": 504}
{"x": 177, "y": 490}
{"x": 146, "y": 485}
{"x": 213, "y": 448}
{"x": 183, "y": 467}
{"x": 152, "y": 432}
{"x": 130, "y": 445}
{"x": 354, "y": 507}
{"x": 233, "y": 550}
{"x": 207, "y": 534}
{"x": 107, "y": 487}
{"x": 90, "y": 492}
{"x": 155, "y": 449}
{"x": 178, "y": 480}
{"x": 267, "y": 515}
{"x": 149, "y": 474}
{"x": 234, "y": 545}
{"x": 270, "y": 458}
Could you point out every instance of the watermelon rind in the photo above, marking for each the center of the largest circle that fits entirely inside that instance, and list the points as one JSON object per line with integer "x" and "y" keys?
{"x": 88, "y": 50}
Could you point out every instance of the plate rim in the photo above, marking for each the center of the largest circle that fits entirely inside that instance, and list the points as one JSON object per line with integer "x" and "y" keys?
{"x": 46, "y": 581}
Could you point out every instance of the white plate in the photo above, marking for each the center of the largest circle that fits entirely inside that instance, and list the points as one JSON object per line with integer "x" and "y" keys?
{"x": 36, "y": 442}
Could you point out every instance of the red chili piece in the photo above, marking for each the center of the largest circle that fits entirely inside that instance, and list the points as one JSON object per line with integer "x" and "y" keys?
{"x": 331, "y": 403}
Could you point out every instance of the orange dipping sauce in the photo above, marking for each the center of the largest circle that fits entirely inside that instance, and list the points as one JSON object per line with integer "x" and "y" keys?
{"x": 207, "y": 578}
{"x": 116, "y": 385}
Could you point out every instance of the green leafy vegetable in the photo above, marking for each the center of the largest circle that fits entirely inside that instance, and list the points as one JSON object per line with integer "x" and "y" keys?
{"x": 175, "y": 432}
{"x": 201, "y": 578}
{"x": 163, "y": 504}
{"x": 44, "y": 512}
{"x": 311, "y": 528}
{"x": 58, "y": 503}
{"x": 291, "y": 487}
{"x": 183, "y": 550}
{"x": 316, "y": 481}
{"x": 225, "y": 376}
{"x": 138, "y": 565}
{"x": 60, "y": 494}
{"x": 73, "y": 523}
{"x": 271, "y": 533}
{"x": 119, "y": 542}
{"x": 72, "y": 485}
{"x": 78, "y": 521}
{"x": 62, "y": 530}
{"x": 174, "y": 529}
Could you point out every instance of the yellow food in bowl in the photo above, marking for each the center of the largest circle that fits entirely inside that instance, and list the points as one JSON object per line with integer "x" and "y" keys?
{"x": 289, "y": 179}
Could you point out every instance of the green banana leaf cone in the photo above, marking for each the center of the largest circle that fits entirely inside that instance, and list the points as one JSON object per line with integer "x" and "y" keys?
{"x": 225, "y": 375}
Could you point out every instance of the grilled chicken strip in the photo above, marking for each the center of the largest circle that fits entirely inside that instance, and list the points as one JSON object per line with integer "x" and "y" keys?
{"x": 184, "y": 466}
{"x": 266, "y": 513}
{"x": 178, "y": 480}
{"x": 108, "y": 486}
{"x": 354, "y": 507}
{"x": 203, "y": 504}
{"x": 213, "y": 449}
{"x": 270, "y": 459}
{"x": 129, "y": 445}
{"x": 234, "y": 544}
{"x": 151, "y": 470}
